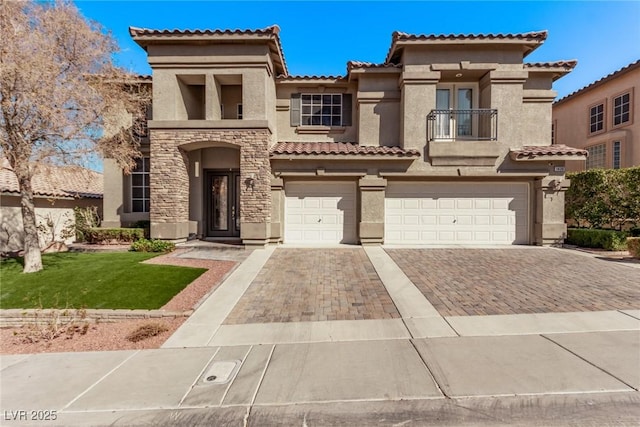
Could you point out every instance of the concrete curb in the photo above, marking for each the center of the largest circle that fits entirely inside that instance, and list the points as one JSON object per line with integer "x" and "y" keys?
{"x": 19, "y": 317}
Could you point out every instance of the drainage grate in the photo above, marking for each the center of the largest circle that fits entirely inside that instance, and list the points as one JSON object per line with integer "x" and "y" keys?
{"x": 221, "y": 372}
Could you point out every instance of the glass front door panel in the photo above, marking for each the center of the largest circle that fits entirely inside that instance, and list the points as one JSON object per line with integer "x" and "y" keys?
{"x": 222, "y": 203}
{"x": 236, "y": 205}
{"x": 443, "y": 121}
{"x": 464, "y": 118}
{"x": 219, "y": 200}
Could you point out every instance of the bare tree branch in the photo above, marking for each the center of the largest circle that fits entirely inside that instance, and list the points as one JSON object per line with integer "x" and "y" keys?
{"x": 61, "y": 98}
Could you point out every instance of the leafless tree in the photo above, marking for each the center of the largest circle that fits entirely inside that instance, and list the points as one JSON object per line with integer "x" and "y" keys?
{"x": 62, "y": 99}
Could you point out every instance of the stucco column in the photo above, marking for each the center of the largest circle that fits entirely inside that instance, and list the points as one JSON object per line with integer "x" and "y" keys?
{"x": 418, "y": 98}
{"x": 550, "y": 226}
{"x": 112, "y": 202}
{"x": 371, "y": 229}
{"x": 277, "y": 210}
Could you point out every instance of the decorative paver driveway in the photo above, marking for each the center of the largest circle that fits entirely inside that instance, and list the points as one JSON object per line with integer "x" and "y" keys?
{"x": 298, "y": 285}
{"x": 461, "y": 282}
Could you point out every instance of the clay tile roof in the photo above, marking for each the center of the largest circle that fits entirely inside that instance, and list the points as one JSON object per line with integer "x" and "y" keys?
{"x": 603, "y": 80}
{"x": 536, "y": 37}
{"x": 339, "y": 148}
{"x": 55, "y": 181}
{"x": 135, "y": 31}
{"x": 290, "y": 77}
{"x": 548, "y": 150}
{"x": 556, "y": 64}
{"x": 363, "y": 64}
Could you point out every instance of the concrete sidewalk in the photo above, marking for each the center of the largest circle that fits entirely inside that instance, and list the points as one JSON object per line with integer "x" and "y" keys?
{"x": 423, "y": 369}
{"x": 339, "y": 382}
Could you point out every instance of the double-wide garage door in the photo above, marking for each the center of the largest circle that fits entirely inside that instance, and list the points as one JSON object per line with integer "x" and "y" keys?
{"x": 456, "y": 213}
{"x": 320, "y": 212}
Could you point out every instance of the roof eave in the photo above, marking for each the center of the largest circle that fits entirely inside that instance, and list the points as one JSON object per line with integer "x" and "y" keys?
{"x": 144, "y": 38}
{"x": 529, "y": 42}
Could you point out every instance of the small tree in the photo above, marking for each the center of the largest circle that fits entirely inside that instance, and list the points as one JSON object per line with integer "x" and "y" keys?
{"x": 62, "y": 100}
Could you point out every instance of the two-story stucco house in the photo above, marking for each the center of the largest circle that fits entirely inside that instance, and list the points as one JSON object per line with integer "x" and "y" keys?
{"x": 446, "y": 142}
{"x": 604, "y": 119}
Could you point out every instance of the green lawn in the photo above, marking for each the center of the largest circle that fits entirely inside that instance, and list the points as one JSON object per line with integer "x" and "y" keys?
{"x": 93, "y": 280}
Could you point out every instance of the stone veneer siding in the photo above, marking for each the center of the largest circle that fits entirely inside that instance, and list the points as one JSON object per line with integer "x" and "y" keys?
{"x": 170, "y": 172}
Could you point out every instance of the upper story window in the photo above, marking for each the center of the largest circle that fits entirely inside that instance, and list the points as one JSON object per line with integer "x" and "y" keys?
{"x": 621, "y": 109}
{"x": 140, "y": 199}
{"x": 596, "y": 118}
{"x": 325, "y": 110}
{"x": 597, "y": 156}
{"x": 321, "y": 110}
{"x": 553, "y": 133}
{"x": 616, "y": 155}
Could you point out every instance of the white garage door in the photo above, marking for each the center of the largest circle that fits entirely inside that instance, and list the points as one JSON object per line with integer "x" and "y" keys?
{"x": 320, "y": 212}
{"x": 456, "y": 213}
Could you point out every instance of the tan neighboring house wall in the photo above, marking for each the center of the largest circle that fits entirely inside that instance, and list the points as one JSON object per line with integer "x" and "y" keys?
{"x": 572, "y": 120}
{"x": 57, "y": 191}
{"x": 361, "y": 158}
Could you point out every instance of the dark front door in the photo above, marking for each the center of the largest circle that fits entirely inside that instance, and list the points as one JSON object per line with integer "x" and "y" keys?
{"x": 222, "y": 200}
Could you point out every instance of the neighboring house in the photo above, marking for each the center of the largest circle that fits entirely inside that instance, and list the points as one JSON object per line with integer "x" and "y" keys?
{"x": 446, "y": 142}
{"x": 603, "y": 119}
{"x": 57, "y": 190}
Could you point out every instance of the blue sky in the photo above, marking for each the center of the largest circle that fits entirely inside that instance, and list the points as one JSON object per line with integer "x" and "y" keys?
{"x": 320, "y": 37}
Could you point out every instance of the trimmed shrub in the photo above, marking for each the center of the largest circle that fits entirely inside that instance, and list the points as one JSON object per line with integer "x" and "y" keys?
{"x": 146, "y": 245}
{"x": 113, "y": 236}
{"x": 86, "y": 218}
{"x": 610, "y": 240}
{"x": 633, "y": 244}
{"x": 144, "y": 224}
{"x": 604, "y": 198}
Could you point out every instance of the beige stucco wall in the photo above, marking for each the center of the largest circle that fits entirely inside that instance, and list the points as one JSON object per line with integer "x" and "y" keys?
{"x": 571, "y": 120}
{"x": 508, "y": 56}
{"x": 117, "y": 195}
{"x": 378, "y": 109}
{"x": 57, "y": 212}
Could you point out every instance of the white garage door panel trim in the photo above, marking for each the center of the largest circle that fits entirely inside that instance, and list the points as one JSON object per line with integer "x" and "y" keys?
{"x": 456, "y": 213}
{"x": 320, "y": 212}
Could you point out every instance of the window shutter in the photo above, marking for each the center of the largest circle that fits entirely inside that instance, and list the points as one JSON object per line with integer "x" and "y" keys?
{"x": 295, "y": 109}
{"x": 346, "y": 109}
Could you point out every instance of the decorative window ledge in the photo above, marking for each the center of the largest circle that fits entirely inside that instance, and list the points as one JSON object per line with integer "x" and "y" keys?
{"x": 319, "y": 130}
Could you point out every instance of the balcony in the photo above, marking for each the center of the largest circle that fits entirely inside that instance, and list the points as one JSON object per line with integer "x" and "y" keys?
{"x": 463, "y": 137}
{"x": 463, "y": 125}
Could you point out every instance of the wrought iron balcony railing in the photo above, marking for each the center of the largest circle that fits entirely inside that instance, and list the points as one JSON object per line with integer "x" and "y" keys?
{"x": 455, "y": 125}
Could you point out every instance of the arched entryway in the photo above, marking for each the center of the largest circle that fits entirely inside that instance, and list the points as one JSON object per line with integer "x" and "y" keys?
{"x": 215, "y": 191}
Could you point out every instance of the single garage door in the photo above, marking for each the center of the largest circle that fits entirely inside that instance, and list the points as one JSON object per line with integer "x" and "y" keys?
{"x": 320, "y": 212}
{"x": 456, "y": 213}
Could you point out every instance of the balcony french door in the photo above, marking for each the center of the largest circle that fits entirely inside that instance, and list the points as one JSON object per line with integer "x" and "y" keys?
{"x": 222, "y": 203}
{"x": 459, "y": 99}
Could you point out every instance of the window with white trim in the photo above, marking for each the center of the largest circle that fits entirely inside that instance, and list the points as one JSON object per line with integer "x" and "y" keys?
{"x": 321, "y": 109}
{"x": 621, "y": 109}
{"x": 596, "y": 118}
{"x": 597, "y": 156}
{"x": 140, "y": 199}
{"x": 616, "y": 155}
